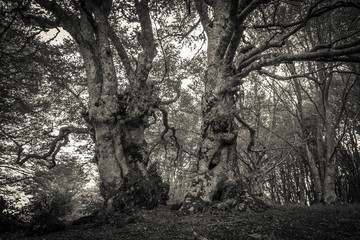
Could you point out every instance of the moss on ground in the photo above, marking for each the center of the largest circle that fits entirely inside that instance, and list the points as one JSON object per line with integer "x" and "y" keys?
{"x": 279, "y": 222}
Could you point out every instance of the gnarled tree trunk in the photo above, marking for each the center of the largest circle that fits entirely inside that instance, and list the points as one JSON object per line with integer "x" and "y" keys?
{"x": 218, "y": 173}
{"x": 117, "y": 117}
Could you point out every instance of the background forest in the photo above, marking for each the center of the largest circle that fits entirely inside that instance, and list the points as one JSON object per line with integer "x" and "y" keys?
{"x": 100, "y": 96}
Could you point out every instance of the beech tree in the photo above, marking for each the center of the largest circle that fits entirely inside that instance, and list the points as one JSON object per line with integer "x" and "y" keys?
{"x": 118, "y": 44}
{"x": 246, "y": 36}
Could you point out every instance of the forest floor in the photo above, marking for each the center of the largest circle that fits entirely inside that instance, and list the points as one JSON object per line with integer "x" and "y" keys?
{"x": 279, "y": 222}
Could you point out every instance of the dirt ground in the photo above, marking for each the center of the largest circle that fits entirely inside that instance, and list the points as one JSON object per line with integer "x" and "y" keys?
{"x": 279, "y": 222}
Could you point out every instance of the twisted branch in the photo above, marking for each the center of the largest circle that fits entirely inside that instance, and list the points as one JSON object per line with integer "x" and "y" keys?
{"x": 55, "y": 146}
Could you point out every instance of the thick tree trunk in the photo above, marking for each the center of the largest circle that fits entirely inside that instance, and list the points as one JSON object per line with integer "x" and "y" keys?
{"x": 217, "y": 181}
{"x": 218, "y": 174}
{"x": 103, "y": 104}
{"x": 112, "y": 165}
{"x": 118, "y": 123}
{"x": 217, "y": 164}
{"x": 217, "y": 155}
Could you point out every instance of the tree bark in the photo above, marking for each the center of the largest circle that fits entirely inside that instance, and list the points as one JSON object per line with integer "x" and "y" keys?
{"x": 314, "y": 174}
{"x": 103, "y": 105}
{"x": 302, "y": 196}
{"x": 329, "y": 194}
{"x": 118, "y": 120}
{"x": 309, "y": 156}
{"x": 217, "y": 160}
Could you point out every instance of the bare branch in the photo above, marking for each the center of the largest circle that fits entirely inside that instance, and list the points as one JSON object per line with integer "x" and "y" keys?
{"x": 120, "y": 50}
{"x": 251, "y": 130}
{"x": 285, "y": 78}
{"x": 233, "y": 45}
{"x": 255, "y": 54}
{"x": 173, "y": 130}
{"x": 343, "y": 46}
{"x": 277, "y": 58}
{"x": 146, "y": 40}
{"x": 202, "y": 9}
{"x": 249, "y": 8}
{"x": 166, "y": 124}
{"x": 54, "y": 147}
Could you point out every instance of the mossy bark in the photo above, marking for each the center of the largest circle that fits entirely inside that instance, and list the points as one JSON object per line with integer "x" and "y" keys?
{"x": 217, "y": 159}
{"x": 118, "y": 124}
